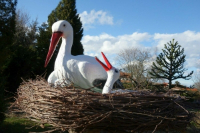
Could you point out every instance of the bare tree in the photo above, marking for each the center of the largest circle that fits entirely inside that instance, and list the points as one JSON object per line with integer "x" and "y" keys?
{"x": 197, "y": 81}
{"x": 25, "y": 31}
{"x": 196, "y": 77}
{"x": 136, "y": 62}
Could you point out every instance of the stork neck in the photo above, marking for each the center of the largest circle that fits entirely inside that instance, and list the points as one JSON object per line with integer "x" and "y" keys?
{"x": 64, "y": 51}
{"x": 108, "y": 85}
{"x": 65, "y": 48}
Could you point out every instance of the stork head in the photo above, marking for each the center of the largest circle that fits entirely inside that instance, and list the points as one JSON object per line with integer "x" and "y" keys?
{"x": 112, "y": 72}
{"x": 61, "y": 28}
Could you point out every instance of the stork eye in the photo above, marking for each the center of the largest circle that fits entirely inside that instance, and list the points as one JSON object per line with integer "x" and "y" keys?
{"x": 116, "y": 71}
{"x": 64, "y": 25}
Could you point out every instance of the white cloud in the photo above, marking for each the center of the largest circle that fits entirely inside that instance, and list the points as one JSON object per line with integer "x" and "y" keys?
{"x": 189, "y": 40}
{"x": 194, "y": 55}
{"x": 92, "y": 54}
{"x": 111, "y": 45}
{"x": 95, "y": 17}
{"x": 191, "y": 62}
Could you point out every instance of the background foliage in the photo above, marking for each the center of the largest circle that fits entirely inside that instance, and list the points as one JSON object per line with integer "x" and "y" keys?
{"x": 7, "y": 30}
{"x": 24, "y": 44}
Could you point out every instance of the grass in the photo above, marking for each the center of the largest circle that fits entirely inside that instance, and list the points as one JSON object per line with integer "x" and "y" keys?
{"x": 20, "y": 125}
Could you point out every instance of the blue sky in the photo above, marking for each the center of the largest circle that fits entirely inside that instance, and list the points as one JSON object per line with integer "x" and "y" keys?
{"x": 113, "y": 25}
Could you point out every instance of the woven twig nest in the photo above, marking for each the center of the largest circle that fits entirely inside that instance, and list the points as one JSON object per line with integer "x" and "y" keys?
{"x": 72, "y": 108}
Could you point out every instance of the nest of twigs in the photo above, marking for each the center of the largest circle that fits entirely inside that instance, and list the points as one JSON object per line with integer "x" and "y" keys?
{"x": 71, "y": 108}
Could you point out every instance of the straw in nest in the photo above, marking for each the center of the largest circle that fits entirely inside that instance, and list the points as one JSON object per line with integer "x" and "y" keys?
{"x": 72, "y": 108}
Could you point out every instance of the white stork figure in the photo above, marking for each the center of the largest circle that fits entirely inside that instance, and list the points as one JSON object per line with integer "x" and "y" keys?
{"x": 82, "y": 70}
{"x": 113, "y": 75}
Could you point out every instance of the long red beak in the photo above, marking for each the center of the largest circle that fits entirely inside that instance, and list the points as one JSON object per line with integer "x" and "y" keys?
{"x": 54, "y": 41}
{"x": 109, "y": 66}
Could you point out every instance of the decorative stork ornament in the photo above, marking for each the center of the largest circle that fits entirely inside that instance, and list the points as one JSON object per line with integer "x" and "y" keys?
{"x": 113, "y": 74}
{"x": 82, "y": 70}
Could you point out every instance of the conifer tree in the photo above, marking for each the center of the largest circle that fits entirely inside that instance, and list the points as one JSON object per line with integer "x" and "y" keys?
{"x": 169, "y": 64}
{"x": 66, "y": 10}
{"x": 7, "y": 28}
{"x": 22, "y": 52}
{"x": 42, "y": 48}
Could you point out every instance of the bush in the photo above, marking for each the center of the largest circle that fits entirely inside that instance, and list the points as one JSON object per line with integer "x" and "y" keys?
{"x": 2, "y": 101}
{"x": 192, "y": 95}
{"x": 2, "y": 109}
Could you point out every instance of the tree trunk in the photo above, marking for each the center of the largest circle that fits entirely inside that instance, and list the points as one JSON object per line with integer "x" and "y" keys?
{"x": 170, "y": 84}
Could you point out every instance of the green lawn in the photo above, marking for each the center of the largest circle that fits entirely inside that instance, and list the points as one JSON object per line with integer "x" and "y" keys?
{"x": 20, "y": 125}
